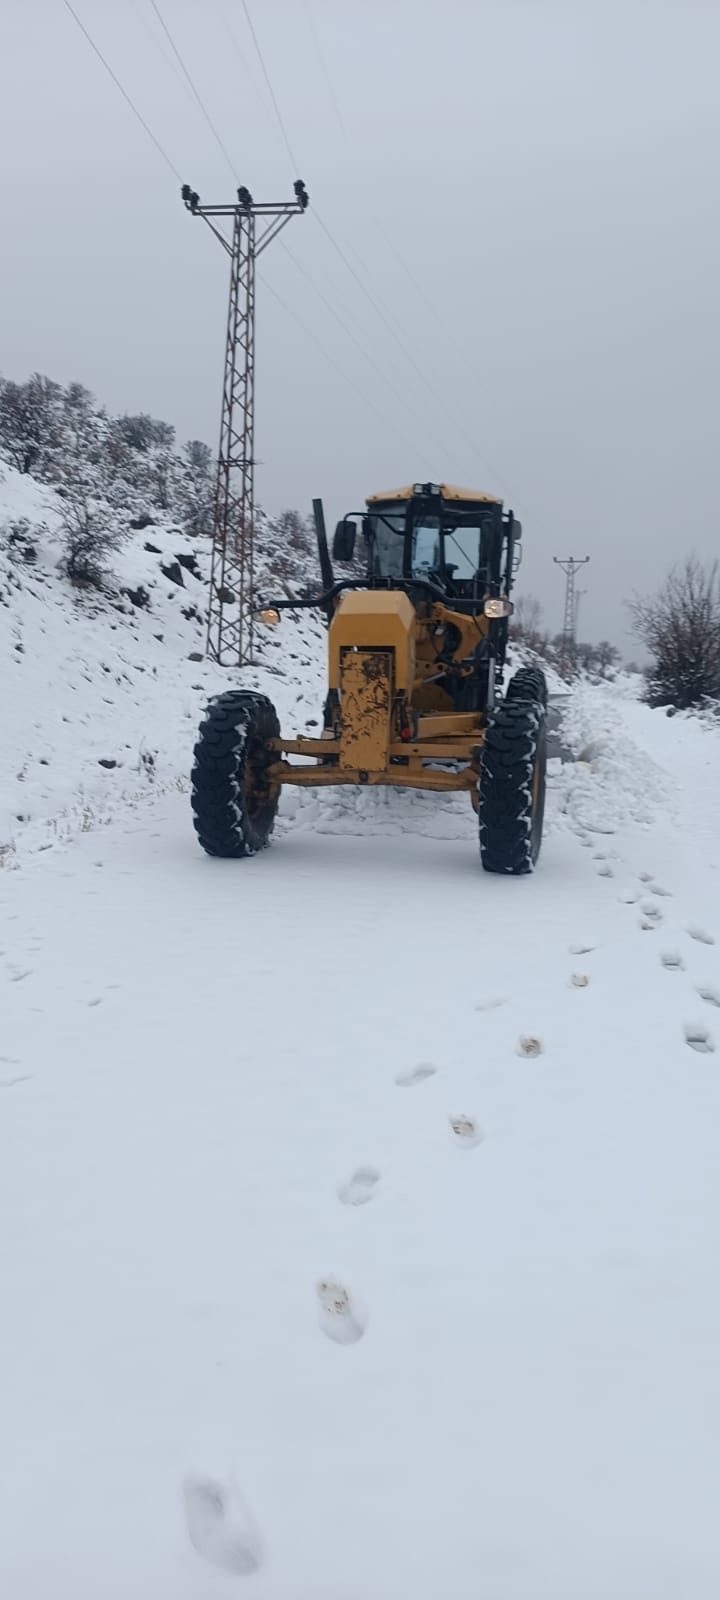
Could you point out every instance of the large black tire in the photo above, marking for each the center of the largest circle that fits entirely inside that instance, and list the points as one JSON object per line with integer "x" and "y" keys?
{"x": 234, "y": 803}
{"x": 512, "y": 787}
{"x": 528, "y": 683}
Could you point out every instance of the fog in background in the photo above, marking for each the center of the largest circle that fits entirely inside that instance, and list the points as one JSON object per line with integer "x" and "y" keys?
{"x": 526, "y": 197}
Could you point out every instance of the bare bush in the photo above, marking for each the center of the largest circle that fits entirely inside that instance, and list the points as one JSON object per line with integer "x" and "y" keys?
{"x": 88, "y": 537}
{"x": 680, "y": 627}
{"x": 526, "y": 624}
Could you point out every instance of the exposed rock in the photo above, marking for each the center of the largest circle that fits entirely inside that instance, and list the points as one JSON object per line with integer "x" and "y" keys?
{"x": 173, "y": 572}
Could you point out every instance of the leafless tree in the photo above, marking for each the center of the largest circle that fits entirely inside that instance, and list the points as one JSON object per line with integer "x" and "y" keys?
{"x": 88, "y": 538}
{"x": 606, "y": 655}
{"x": 526, "y": 625}
{"x": 30, "y": 431}
{"x": 680, "y": 627}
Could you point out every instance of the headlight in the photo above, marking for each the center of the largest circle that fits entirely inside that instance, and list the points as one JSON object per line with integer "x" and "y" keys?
{"x": 269, "y": 616}
{"x": 498, "y": 606}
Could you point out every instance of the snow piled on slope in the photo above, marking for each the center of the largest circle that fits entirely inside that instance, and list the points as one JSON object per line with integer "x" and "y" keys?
{"x": 91, "y": 678}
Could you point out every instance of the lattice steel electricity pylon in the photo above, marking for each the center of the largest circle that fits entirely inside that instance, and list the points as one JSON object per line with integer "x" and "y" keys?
{"x": 230, "y": 608}
{"x": 570, "y": 567}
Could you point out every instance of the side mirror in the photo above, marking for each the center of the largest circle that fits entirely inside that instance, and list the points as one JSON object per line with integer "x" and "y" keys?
{"x": 517, "y": 529}
{"x": 344, "y": 541}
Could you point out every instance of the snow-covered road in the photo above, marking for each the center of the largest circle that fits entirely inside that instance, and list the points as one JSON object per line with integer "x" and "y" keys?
{"x": 197, "y": 1056}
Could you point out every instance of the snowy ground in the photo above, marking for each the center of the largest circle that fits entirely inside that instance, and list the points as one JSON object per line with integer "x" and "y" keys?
{"x": 225, "y": 1084}
{"x": 522, "y": 1400}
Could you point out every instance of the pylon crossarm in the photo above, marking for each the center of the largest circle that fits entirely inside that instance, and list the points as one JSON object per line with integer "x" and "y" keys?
{"x": 289, "y": 208}
{"x": 271, "y": 232}
{"x": 218, "y": 235}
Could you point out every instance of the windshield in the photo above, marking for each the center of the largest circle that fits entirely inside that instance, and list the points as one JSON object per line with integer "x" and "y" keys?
{"x": 438, "y": 549}
{"x": 387, "y": 545}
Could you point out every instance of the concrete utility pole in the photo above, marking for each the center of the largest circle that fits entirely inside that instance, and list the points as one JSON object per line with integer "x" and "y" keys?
{"x": 232, "y": 573}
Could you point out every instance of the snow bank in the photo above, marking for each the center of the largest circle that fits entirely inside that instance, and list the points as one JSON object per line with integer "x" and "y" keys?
{"x": 101, "y": 700}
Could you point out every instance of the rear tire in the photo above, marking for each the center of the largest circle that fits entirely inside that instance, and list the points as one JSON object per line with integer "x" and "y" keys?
{"x": 234, "y": 803}
{"x": 528, "y": 683}
{"x": 512, "y": 787}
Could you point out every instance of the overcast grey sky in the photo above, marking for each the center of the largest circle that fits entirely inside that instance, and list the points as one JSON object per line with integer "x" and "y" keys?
{"x": 528, "y": 190}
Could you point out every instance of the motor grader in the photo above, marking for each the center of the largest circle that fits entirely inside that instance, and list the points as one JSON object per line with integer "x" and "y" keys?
{"x": 416, "y": 657}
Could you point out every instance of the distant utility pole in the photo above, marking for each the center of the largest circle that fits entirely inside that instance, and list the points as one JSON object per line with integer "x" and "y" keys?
{"x": 578, "y": 597}
{"x": 232, "y": 572}
{"x": 570, "y": 567}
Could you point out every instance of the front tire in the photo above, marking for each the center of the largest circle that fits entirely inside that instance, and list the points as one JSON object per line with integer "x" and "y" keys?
{"x": 512, "y": 787}
{"x": 528, "y": 683}
{"x": 234, "y": 802}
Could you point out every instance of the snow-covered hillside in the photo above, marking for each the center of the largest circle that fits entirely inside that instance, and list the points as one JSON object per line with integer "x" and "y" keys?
{"x": 102, "y": 697}
{"x": 360, "y": 1211}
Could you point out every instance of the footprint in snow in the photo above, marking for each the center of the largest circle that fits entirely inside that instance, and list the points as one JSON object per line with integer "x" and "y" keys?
{"x": 629, "y": 896}
{"x": 581, "y": 949}
{"x": 701, "y": 934}
{"x": 605, "y": 870}
{"x": 493, "y": 1004}
{"x": 657, "y": 888}
{"x": 650, "y": 910}
{"x": 579, "y": 980}
{"x": 645, "y": 877}
{"x": 698, "y": 1038}
{"x": 647, "y": 924}
{"x": 409, "y": 1076}
{"x": 709, "y": 995}
{"x": 340, "y": 1318}
{"x": 672, "y": 960}
{"x": 220, "y": 1526}
{"x": 360, "y": 1187}
{"x": 465, "y": 1131}
{"x": 529, "y": 1046}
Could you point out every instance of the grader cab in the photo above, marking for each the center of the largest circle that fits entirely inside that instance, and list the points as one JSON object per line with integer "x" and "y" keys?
{"x": 416, "y": 658}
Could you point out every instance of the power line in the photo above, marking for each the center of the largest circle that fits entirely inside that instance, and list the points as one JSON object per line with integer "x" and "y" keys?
{"x": 386, "y": 421}
{"x": 409, "y": 357}
{"x": 273, "y": 96}
{"x": 195, "y": 91}
{"x": 224, "y": 16}
{"x": 323, "y": 225}
{"x": 159, "y": 44}
{"x": 123, "y": 91}
{"x": 324, "y": 69}
{"x": 427, "y": 383}
{"x": 429, "y": 303}
{"x": 398, "y": 393}
{"x": 373, "y": 302}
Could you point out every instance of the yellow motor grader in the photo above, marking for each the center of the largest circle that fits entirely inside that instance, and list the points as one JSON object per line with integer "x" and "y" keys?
{"x": 416, "y": 654}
